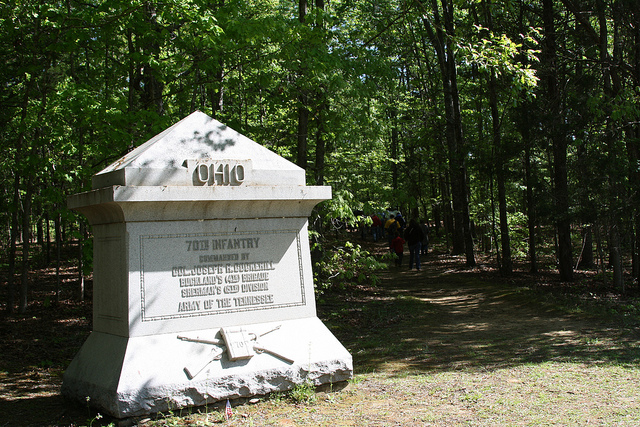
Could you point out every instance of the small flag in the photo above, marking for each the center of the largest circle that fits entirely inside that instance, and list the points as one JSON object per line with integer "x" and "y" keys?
{"x": 228, "y": 412}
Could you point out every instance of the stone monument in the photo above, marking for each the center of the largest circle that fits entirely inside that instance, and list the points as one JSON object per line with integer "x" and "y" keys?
{"x": 203, "y": 287}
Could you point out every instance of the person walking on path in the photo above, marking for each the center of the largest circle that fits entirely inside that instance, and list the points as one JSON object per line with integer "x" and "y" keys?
{"x": 376, "y": 226}
{"x": 414, "y": 237}
{"x": 397, "y": 247}
{"x": 424, "y": 248}
{"x": 391, "y": 228}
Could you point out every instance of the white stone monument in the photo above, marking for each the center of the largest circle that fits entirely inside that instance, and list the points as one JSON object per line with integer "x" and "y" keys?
{"x": 203, "y": 287}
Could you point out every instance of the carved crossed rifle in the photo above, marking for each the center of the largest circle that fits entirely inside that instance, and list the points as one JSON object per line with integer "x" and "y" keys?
{"x": 238, "y": 343}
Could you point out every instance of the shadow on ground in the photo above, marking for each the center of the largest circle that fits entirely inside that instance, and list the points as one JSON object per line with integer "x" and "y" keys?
{"x": 445, "y": 318}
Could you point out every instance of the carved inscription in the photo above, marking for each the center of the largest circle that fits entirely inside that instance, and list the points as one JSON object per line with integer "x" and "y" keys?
{"x": 218, "y": 172}
{"x": 214, "y": 274}
{"x": 224, "y": 280}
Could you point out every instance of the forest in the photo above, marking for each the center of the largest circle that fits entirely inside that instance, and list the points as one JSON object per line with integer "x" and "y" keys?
{"x": 511, "y": 126}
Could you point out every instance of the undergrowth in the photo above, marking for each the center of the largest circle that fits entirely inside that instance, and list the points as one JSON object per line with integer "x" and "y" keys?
{"x": 347, "y": 266}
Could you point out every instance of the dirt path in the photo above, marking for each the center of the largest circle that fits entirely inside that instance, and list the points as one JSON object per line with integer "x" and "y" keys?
{"x": 466, "y": 319}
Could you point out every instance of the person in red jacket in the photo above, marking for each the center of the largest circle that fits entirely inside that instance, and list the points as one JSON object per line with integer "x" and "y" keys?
{"x": 397, "y": 246}
{"x": 376, "y": 227}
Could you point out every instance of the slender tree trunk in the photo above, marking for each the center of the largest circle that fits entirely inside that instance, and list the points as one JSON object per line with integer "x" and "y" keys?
{"x": 26, "y": 246}
{"x": 445, "y": 183}
{"x": 585, "y": 260}
{"x": 81, "y": 289}
{"x": 303, "y": 101}
{"x": 393, "y": 117}
{"x": 320, "y": 147}
{"x": 531, "y": 209}
{"x": 611, "y": 82}
{"x": 437, "y": 211}
{"x": 303, "y": 130}
{"x": 586, "y": 254}
{"x": 40, "y": 230}
{"x": 321, "y": 109}
{"x": 632, "y": 133}
{"x": 17, "y": 201}
{"x": 217, "y": 94}
{"x": 506, "y": 264}
{"x": 462, "y": 192}
{"x": 441, "y": 34}
{"x": 153, "y": 86}
{"x": 58, "y": 232}
{"x": 600, "y": 249}
{"x": 48, "y": 237}
{"x": 636, "y": 247}
{"x": 616, "y": 258}
{"x": 559, "y": 142}
{"x": 132, "y": 73}
{"x": 494, "y": 234}
{"x": 302, "y": 10}
{"x": 11, "y": 273}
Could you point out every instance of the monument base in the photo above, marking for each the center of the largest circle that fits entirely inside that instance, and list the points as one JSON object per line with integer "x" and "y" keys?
{"x": 126, "y": 377}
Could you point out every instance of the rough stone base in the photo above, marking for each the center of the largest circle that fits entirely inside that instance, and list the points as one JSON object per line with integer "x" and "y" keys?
{"x": 127, "y": 377}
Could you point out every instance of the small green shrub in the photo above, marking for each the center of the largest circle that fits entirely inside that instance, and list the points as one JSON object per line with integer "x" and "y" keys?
{"x": 345, "y": 267}
{"x": 304, "y": 393}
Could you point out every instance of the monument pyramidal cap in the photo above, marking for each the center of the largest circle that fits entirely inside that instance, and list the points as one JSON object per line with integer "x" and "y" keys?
{"x": 203, "y": 289}
{"x": 198, "y": 137}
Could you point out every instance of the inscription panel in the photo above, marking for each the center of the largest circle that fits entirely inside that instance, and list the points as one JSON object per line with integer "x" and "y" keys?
{"x": 208, "y": 274}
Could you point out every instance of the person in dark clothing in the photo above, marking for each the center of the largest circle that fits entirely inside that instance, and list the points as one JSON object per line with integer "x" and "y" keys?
{"x": 414, "y": 237}
{"x": 424, "y": 247}
{"x": 401, "y": 222}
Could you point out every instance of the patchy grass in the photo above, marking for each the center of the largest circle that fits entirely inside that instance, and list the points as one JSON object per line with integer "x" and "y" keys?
{"x": 445, "y": 346}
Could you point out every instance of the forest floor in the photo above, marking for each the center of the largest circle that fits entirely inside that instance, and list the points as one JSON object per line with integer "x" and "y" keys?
{"x": 444, "y": 346}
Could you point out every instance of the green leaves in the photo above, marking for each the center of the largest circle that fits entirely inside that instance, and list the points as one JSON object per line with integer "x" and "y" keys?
{"x": 499, "y": 54}
{"x": 344, "y": 268}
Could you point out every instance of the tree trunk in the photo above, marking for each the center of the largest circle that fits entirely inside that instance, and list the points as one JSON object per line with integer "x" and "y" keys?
{"x": 393, "y": 117}
{"x": 48, "y": 238}
{"x": 494, "y": 234}
{"x": 26, "y": 246}
{"x": 303, "y": 129}
{"x": 586, "y": 255}
{"x": 559, "y": 143}
{"x": 531, "y": 210}
{"x": 445, "y": 184}
{"x": 302, "y": 10}
{"x": 132, "y": 78}
{"x": 303, "y": 100}
{"x": 58, "y": 232}
{"x": 40, "y": 230}
{"x": 153, "y": 86}
{"x": 505, "y": 242}
{"x": 632, "y": 132}
{"x": 441, "y": 35}
{"x": 506, "y": 266}
{"x": 616, "y": 258}
{"x": 320, "y": 147}
{"x": 436, "y": 207}
{"x": 217, "y": 94}
{"x": 11, "y": 287}
{"x": 81, "y": 290}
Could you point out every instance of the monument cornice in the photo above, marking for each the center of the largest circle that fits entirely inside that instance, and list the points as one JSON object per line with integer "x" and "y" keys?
{"x": 126, "y": 203}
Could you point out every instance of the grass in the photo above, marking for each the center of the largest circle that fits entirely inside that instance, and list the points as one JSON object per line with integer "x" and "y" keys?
{"x": 542, "y": 394}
